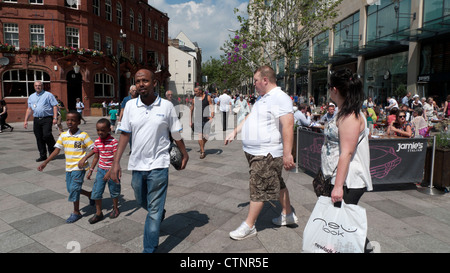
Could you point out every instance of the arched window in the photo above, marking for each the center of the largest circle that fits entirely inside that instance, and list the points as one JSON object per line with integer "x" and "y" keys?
{"x": 20, "y": 82}
{"x": 156, "y": 31}
{"x": 103, "y": 85}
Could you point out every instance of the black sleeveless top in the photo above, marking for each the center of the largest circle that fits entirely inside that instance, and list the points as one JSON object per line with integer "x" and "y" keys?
{"x": 203, "y": 111}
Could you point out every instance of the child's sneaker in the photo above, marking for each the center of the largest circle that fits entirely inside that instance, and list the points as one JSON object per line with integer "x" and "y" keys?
{"x": 243, "y": 232}
{"x": 284, "y": 220}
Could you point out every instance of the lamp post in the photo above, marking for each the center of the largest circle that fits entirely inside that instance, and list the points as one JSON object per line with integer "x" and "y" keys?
{"x": 119, "y": 54}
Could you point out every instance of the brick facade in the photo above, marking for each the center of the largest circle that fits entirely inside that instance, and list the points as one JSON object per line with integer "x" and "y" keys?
{"x": 58, "y": 66}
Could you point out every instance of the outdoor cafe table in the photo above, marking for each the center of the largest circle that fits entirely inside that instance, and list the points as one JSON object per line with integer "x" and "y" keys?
{"x": 392, "y": 159}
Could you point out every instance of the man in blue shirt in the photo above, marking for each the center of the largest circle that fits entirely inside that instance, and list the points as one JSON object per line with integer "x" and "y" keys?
{"x": 44, "y": 107}
{"x": 302, "y": 117}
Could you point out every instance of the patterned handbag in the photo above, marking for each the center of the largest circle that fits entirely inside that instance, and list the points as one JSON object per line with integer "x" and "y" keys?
{"x": 321, "y": 185}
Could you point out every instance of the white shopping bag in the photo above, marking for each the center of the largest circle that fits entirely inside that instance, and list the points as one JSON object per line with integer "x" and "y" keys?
{"x": 335, "y": 230}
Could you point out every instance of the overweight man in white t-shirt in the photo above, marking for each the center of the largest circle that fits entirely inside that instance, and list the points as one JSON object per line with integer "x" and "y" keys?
{"x": 267, "y": 138}
{"x": 149, "y": 119}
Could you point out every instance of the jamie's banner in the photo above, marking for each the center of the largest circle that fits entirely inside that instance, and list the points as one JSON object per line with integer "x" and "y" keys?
{"x": 399, "y": 160}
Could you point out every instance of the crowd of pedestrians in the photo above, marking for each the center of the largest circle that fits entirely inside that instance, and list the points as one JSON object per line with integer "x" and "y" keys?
{"x": 151, "y": 125}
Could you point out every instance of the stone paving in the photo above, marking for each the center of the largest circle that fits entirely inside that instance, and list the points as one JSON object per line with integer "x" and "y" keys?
{"x": 205, "y": 202}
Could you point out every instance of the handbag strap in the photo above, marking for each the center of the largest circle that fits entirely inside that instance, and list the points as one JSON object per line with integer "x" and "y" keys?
{"x": 363, "y": 131}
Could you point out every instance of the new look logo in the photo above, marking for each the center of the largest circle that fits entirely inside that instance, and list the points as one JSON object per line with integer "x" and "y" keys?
{"x": 334, "y": 228}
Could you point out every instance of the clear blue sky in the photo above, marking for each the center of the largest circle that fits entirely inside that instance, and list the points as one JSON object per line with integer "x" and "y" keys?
{"x": 203, "y": 21}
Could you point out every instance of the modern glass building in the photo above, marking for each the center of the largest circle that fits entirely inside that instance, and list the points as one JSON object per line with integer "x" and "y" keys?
{"x": 395, "y": 46}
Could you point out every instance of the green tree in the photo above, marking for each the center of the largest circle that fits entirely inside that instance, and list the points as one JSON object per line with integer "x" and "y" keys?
{"x": 279, "y": 29}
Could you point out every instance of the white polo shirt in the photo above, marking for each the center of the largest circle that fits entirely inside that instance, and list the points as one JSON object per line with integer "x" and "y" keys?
{"x": 150, "y": 127}
{"x": 261, "y": 133}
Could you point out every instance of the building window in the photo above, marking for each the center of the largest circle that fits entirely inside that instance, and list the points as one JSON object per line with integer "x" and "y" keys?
{"x": 156, "y": 31}
{"x": 96, "y": 7}
{"x": 131, "y": 19}
{"x": 103, "y": 85}
{"x": 435, "y": 11}
{"x": 320, "y": 48}
{"x": 72, "y": 37}
{"x": 20, "y": 83}
{"x": 189, "y": 77}
{"x": 37, "y": 35}
{"x": 73, "y": 4}
{"x": 119, "y": 14}
{"x": 140, "y": 23}
{"x": 10, "y": 1}
{"x": 39, "y": 2}
{"x": 149, "y": 28}
{"x": 346, "y": 33}
{"x": 11, "y": 34}
{"x": 162, "y": 34}
{"x": 132, "y": 54}
{"x": 108, "y": 10}
{"x": 141, "y": 55}
{"x": 97, "y": 41}
{"x": 189, "y": 63}
{"x": 119, "y": 47}
{"x": 382, "y": 22}
{"x": 109, "y": 46}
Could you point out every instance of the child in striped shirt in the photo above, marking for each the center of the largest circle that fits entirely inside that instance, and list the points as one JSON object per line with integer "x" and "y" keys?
{"x": 104, "y": 148}
{"x": 75, "y": 144}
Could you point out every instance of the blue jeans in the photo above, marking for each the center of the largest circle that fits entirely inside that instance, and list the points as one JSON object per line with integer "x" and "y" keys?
{"x": 150, "y": 190}
{"x": 99, "y": 186}
{"x": 74, "y": 181}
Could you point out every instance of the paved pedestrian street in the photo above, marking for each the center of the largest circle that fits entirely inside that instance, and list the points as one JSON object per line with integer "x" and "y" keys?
{"x": 205, "y": 202}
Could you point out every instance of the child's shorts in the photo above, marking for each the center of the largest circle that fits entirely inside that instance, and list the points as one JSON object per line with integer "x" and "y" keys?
{"x": 74, "y": 181}
{"x": 99, "y": 186}
{"x": 113, "y": 122}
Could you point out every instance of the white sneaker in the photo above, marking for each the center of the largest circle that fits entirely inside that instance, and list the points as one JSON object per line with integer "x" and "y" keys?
{"x": 243, "y": 232}
{"x": 284, "y": 220}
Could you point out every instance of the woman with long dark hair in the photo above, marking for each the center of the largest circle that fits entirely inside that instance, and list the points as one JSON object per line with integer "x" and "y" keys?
{"x": 345, "y": 152}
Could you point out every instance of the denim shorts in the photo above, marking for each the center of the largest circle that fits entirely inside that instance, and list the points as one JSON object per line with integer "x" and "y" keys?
{"x": 99, "y": 186}
{"x": 74, "y": 181}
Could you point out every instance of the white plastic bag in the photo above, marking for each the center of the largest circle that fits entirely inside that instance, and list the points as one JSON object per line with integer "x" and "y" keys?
{"x": 335, "y": 230}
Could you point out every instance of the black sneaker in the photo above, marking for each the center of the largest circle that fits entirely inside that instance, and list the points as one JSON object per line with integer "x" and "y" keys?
{"x": 41, "y": 159}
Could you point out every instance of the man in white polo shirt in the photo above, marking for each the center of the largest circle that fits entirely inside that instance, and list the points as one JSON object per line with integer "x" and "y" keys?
{"x": 149, "y": 120}
{"x": 267, "y": 138}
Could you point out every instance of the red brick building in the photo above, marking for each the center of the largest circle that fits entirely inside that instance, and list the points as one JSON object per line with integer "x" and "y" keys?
{"x": 73, "y": 47}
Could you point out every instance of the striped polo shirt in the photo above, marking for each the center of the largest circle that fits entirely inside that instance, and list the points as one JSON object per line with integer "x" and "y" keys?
{"x": 75, "y": 147}
{"x": 105, "y": 149}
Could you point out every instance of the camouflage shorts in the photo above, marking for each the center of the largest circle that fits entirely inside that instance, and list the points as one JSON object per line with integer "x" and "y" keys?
{"x": 265, "y": 177}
